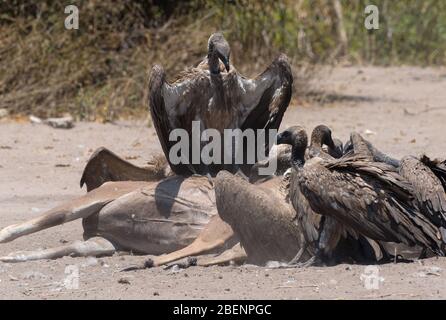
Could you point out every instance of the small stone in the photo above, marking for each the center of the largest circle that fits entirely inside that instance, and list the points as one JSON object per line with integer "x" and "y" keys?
{"x": 369, "y": 132}
{"x": 429, "y": 271}
{"x": 156, "y": 293}
{"x": 333, "y": 282}
{"x": 35, "y": 120}
{"x": 274, "y": 264}
{"x": 434, "y": 269}
{"x": 12, "y": 278}
{"x": 34, "y": 275}
{"x": 60, "y": 123}
{"x": 125, "y": 280}
{"x": 90, "y": 262}
{"x": 62, "y": 165}
{"x": 3, "y": 113}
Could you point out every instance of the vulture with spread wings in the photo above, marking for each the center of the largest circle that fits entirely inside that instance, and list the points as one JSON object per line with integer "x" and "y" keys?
{"x": 218, "y": 97}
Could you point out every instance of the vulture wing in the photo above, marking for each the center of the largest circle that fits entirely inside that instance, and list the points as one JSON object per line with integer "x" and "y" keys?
{"x": 427, "y": 189}
{"x": 221, "y": 101}
{"x": 365, "y": 148}
{"x": 320, "y": 230}
{"x": 371, "y": 198}
{"x": 174, "y": 106}
{"x": 438, "y": 168}
{"x": 266, "y": 98}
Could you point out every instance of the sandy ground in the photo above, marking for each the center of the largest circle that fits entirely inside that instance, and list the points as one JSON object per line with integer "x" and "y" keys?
{"x": 401, "y": 110}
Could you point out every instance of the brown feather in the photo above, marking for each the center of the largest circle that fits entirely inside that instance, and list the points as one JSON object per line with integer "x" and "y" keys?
{"x": 219, "y": 101}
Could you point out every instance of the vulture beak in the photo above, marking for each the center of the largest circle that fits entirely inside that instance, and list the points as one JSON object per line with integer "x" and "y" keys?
{"x": 225, "y": 59}
{"x": 280, "y": 139}
{"x": 226, "y": 63}
{"x": 331, "y": 144}
{"x": 223, "y": 53}
{"x": 348, "y": 146}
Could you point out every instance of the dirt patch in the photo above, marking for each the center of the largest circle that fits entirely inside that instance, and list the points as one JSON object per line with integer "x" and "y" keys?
{"x": 401, "y": 110}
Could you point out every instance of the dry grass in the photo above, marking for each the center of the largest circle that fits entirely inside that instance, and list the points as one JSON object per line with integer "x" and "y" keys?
{"x": 99, "y": 72}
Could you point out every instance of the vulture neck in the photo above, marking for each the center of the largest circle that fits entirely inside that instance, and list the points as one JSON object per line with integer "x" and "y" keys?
{"x": 316, "y": 139}
{"x": 316, "y": 144}
{"x": 297, "y": 156}
{"x": 213, "y": 61}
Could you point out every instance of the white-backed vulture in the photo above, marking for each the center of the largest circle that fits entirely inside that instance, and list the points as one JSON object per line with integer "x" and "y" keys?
{"x": 320, "y": 136}
{"x": 369, "y": 197}
{"x": 423, "y": 174}
{"x": 219, "y": 98}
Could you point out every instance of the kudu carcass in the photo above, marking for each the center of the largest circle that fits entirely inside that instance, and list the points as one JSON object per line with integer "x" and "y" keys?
{"x": 174, "y": 215}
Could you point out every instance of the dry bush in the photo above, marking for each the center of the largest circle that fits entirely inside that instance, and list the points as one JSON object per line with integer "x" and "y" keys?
{"x": 100, "y": 71}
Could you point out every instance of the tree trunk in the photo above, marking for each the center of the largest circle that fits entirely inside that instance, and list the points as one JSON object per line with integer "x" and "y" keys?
{"x": 342, "y": 34}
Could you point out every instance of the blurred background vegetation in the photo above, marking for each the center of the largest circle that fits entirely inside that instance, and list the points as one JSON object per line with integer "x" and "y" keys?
{"x": 99, "y": 72}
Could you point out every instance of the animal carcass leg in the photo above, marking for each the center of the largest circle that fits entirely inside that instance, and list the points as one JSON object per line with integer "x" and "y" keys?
{"x": 216, "y": 235}
{"x": 81, "y": 207}
{"x": 92, "y": 247}
{"x": 235, "y": 254}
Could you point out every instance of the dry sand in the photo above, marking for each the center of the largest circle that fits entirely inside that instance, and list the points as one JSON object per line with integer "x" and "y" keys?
{"x": 402, "y": 110}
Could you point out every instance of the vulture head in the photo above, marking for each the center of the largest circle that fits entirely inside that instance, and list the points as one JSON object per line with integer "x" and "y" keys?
{"x": 296, "y": 136}
{"x": 322, "y": 135}
{"x": 361, "y": 146}
{"x": 218, "y": 49}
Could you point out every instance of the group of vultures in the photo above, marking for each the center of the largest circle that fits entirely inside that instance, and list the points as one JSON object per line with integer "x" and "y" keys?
{"x": 327, "y": 202}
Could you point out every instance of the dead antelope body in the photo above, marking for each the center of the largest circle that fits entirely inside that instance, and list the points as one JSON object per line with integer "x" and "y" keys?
{"x": 172, "y": 218}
